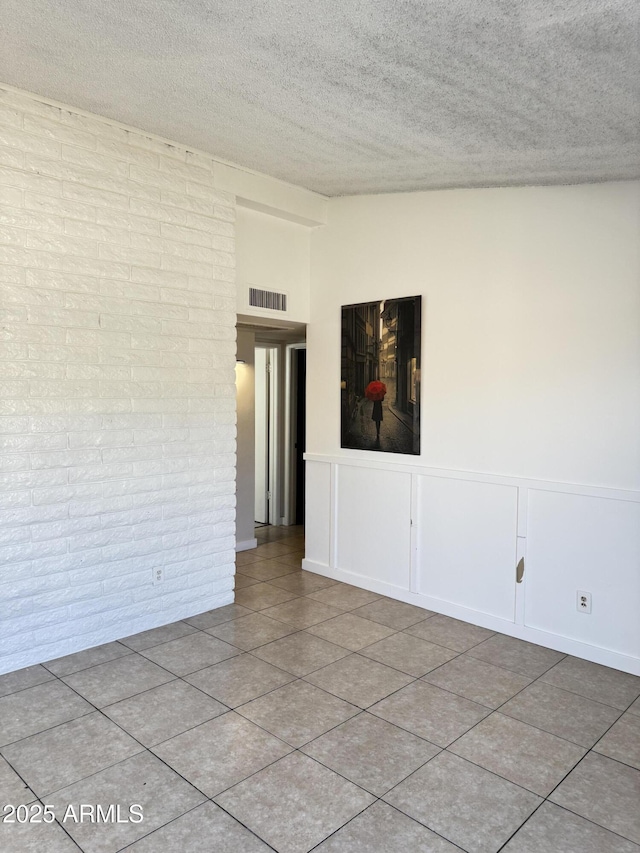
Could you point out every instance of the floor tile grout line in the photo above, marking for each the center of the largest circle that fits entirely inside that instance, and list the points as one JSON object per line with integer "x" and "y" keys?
{"x": 445, "y": 749}
{"x": 523, "y": 824}
{"x": 333, "y": 770}
{"x": 324, "y": 767}
{"x": 330, "y": 619}
{"x": 253, "y": 773}
{"x": 618, "y": 760}
{"x": 554, "y": 734}
{"x": 400, "y": 631}
{"x": 467, "y": 651}
{"x": 566, "y": 775}
{"x": 367, "y": 709}
{"x": 395, "y": 808}
{"x": 395, "y": 632}
{"x": 413, "y": 678}
{"x": 587, "y": 819}
{"x": 582, "y": 696}
{"x": 349, "y": 653}
{"x": 115, "y": 764}
{"x": 291, "y": 746}
{"x": 92, "y": 704}
{"x": 46, "y": 729}
{"x": 29, "y": 687}
{"x": 515, "y": 671}
{"x": 585, "y": 756}
{"x": 276, "y": 558}
{"x": 303, "y": 631}
{"x": 291, "y": 571}
{"x": 260, "y": 646}
{"x": 196, "y": 630}
{"x": 376, "y": 800}
{"x": 486, "y": 717}
{"x": 20, "y": 776}
{"x": 146, "y": 689}
{"x": 522, "y": 689}
{"x": 237, "y": 820}
{"x": 90, "y": 775}
{"x": 406, "y": 627}
{"x": 546, "y": 797}
{"x": 144, "y": 749}
{"x": 63, "y": 828}
{"x": 461, "y": 695}
{"x": 504, "y": 778}
{"x": 224, "y": 621}
{"x": 280, "y": 558}
{"x": 106, "y": 767}
{"x": 290, "y": 624}
{"x": 360, "y": 711}
{"x": 298, "y": 749}
{"x": 164, "y": 825}
{"x": 579, "y": 695}
{"x": 91, "y": 665}
{"x": 353, "y": 717}
{"x": 304, "y": 678}
{"x": 235, "y": 708}
{"x": 416, "y": 678}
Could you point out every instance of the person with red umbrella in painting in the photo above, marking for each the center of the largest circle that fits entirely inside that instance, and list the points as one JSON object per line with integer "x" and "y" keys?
{"x": 375, "y": 391}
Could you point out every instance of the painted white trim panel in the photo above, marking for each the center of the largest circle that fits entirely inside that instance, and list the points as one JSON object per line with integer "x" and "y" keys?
{"x": 449, "y": 541}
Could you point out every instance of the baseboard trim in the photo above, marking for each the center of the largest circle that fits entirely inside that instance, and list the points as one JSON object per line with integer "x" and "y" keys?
{"x": 566, "y": 645}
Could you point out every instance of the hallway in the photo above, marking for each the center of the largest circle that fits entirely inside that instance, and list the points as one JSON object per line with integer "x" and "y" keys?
{"x": 315, "y": 715}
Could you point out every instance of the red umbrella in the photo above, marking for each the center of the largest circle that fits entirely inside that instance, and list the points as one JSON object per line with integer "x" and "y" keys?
{"x": 375, "y": 390}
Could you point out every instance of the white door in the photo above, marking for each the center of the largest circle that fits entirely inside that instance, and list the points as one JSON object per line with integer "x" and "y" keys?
{"x": 262, "y": 435}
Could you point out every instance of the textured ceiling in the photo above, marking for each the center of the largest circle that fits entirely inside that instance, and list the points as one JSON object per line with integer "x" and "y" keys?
{"x": 353, "y": 96}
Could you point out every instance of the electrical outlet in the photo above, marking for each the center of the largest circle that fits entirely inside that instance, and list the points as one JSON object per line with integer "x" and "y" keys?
{"x": 158, "y": 575}
{"x": 583, "y": 601}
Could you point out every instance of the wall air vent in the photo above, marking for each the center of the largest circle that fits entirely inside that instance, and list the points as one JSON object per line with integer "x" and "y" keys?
{"x": 267, "y": 299}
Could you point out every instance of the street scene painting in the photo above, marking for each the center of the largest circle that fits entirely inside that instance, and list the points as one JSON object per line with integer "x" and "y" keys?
{"x": 380, "y": 381}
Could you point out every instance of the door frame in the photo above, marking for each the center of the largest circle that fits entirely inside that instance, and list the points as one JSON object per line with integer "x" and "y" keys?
{"x": 290, "y": 409}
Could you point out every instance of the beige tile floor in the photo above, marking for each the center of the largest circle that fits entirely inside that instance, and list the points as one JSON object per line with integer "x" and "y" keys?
{"x": 311, "y": 715}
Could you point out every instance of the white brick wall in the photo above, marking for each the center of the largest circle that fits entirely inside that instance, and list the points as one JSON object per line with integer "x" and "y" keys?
{"x": 117, "y": 383}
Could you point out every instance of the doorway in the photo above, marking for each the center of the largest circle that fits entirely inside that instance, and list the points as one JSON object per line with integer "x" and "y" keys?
{"x": 270, "y": 379}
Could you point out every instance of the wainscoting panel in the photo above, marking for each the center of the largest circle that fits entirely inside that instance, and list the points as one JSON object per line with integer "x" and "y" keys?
{"x": 467, "y": 544}
{"x": 588, "y": 544}
{"x": 318, "y": 496}
{"x": 450, "y": 541}
{"x": 373, "y": 524}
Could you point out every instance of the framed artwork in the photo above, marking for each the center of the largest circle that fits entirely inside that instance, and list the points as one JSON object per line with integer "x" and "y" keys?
{"x": 380, "y": 381}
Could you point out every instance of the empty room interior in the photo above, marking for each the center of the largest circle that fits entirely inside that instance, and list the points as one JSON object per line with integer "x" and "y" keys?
{"x": 320, "y": 426}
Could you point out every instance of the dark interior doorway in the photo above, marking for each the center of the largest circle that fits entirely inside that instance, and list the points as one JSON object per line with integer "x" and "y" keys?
{"x": 301, "y": 422}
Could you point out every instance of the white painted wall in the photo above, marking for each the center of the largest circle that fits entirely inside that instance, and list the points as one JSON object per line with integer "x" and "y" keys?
{"x": 531, "y": 324}
{"x": 117, "y": 385}
{"x": 530, "y": 384}
{"x": 273, "y": 254}
{"x": 245, "y": 474}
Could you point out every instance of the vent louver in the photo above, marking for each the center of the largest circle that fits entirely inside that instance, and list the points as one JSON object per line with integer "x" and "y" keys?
{"x": 267, "y": 299}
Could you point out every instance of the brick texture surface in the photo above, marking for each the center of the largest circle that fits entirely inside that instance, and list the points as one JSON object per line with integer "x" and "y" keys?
{"x": 117, "y": 384}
